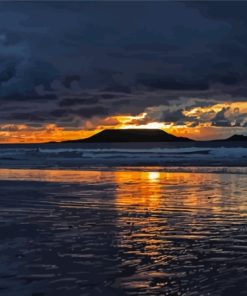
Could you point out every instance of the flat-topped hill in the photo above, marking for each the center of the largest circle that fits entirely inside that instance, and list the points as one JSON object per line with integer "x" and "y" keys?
{"x": 131, "y": 135}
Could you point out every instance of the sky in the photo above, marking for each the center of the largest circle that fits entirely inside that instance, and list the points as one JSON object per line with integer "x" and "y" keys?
{"x": 70, "y": 69}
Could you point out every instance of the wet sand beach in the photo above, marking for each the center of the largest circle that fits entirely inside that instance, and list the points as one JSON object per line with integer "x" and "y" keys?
{"x": 122, "y": 232}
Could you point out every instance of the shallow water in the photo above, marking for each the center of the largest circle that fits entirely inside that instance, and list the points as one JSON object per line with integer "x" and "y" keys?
{"x": 125, "y": 232}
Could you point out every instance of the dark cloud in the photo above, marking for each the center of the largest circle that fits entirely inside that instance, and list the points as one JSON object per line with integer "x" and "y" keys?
{"x": 151, "y": 47}
{"x": 120, "y": 102}
{"x": 7, "y": 72}
{"x": 69, "y": 79}
{"x": 60, "y": 116}
{"x": 174, "y": 116}
{"x": 97, "y": 59}
{"x": 230, "y": 11}
{"x": 28, "y": 97}
{"x": 169, "y": 84}
{"x": 109, "y": 96}
{"x": 29, "y": 117}
{"x": 93, "y": 111}
{"x": 87, "y": 112}
{"x": 220, "y": 118}
{"x": 76, "y": 101}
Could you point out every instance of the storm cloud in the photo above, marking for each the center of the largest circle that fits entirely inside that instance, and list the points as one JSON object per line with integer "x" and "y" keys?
{"x": 67, "y": 62}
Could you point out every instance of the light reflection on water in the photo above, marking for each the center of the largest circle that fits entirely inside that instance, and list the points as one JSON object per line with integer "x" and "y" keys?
{"x": 123, "y": 232}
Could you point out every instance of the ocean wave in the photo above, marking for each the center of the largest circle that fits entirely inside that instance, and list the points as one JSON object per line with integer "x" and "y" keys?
{"x": 73, "y": 157}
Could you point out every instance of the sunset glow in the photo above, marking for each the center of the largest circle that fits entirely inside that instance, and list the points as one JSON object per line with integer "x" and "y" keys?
{"x": 200, "y": 123}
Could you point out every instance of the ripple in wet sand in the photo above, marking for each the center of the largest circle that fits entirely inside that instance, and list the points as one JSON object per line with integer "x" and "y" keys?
{"x": 122, "y": 233}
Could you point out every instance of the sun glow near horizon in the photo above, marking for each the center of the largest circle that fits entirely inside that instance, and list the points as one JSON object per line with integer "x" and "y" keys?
{"x": 197, "y": 125}
{"x": 150, "y": 125}
{"x": 58, "y": 134}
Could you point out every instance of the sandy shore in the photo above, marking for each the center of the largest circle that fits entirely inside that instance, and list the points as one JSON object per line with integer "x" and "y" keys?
{"x": 122, "y": 233}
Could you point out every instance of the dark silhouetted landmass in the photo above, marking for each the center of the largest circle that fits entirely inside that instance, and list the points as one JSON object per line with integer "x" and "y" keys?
{"x": 131, "y": 135}
{"x": 236, "y": 138}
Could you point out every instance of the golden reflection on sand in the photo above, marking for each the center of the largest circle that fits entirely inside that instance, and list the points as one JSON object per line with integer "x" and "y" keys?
{"x": 160, "y": 228}
{"x": 138, "y": 189}
{"x": 52, "y": 175}
{"x": 150, "y": 190}
{"x": 138, "y": 230}
{"x": 159, "y": 209}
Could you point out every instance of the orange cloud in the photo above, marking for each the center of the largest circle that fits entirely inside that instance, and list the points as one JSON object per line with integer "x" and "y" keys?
{"x": 199, "y": 125}
{"x": 47, "y": 133}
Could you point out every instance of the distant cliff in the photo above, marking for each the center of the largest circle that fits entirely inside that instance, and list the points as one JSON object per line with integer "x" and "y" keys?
{"x": 131, "y": 135}
{"x": 236, "y": 138}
